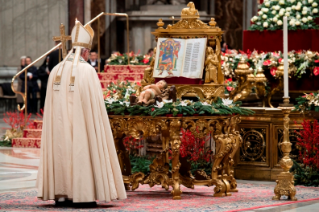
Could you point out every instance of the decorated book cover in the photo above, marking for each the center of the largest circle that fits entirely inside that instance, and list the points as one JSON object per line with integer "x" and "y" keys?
{"x": 180, "y": 57}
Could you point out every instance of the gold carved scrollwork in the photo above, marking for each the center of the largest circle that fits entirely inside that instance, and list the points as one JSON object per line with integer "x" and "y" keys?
{"x": 223, "y": 130}
{"x": 134, "y": 180}
{"x": 193, "y": 23}
{"x": 159, "y": 174}
{"x": 181, "y": 91}
{"x": 198, "y": 128}
{"x": 174, "y": 131}
{"x": 137, "y": 127}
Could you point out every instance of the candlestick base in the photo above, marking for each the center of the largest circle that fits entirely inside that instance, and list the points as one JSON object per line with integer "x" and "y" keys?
{"x": 286, "y": 103}
{"x": 285, "y": 186}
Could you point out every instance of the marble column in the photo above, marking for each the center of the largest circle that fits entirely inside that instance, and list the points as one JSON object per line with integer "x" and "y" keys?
{"x": 110, "y": 28}
{"x": 76, "y": 10}
{"x": 87, "y": 11}
{"x": 98, "y": 6}
{"x": 212, "y": 7}
{"x": 229, "y": 17}
{"x": 249, "y": 10}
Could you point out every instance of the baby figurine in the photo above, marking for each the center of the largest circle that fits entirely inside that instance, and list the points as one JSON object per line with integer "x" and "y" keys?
{"x": 150, "y": 91}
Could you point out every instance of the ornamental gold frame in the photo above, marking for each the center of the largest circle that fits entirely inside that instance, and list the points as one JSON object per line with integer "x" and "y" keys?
{"x": 186, "y": 28}
{"x": 221, "y": 128}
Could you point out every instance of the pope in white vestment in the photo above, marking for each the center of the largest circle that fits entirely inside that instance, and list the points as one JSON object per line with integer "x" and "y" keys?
{"x": 78, "y": 157}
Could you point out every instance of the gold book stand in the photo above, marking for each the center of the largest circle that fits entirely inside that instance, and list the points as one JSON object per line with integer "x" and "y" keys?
{"x": 191, "y": 27}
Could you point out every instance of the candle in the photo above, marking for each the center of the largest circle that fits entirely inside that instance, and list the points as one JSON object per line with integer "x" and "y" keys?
{"x": 286, "y": 86}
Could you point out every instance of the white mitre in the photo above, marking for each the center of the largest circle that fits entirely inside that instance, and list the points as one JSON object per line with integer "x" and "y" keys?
{"x": 82, "y": 37}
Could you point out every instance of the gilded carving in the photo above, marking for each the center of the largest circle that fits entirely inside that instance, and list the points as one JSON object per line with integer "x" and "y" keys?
{"x": 246, "y": 80}
{"x": 211, "y": 65}
{"x": 222, "y": 128}
{"x": 285, "y": 180}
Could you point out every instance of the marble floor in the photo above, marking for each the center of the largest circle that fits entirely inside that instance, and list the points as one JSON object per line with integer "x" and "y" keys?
{"x": 18, "y": 171}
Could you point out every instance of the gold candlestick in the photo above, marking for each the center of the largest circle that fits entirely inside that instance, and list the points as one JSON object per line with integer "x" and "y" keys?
{"x": 285, "y": 180}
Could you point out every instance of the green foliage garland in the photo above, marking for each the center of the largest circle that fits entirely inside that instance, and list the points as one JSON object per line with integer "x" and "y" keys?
{"x": 216, "y": 108}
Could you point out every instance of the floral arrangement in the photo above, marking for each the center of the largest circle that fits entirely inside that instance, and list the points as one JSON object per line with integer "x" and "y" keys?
{"x": 230, "y": 85}
{"x": 129, "y": 59}
{"x": 178, "y": 108}
{"x": 120, "y": 90}
{"x": 308, "y": 144}
{"x": 300, "y": 15}
{"x": 307, "y": 102}
{"x": 299, "y": 62}
{"x": 17, "y": 123}
{"x": 193, "y": 149}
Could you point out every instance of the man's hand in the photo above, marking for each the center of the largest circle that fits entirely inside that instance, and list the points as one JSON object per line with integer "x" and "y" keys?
{"x": 29, "y": 75}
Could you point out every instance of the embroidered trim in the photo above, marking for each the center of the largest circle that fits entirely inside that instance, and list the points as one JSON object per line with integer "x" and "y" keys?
{"x": 77, "y": 31}
{"x": 85, "y": 45}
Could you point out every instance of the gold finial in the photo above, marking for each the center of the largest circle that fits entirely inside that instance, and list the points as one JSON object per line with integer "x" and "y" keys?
{"x": 160, "y": 23}
{"x": 242, "y": 68}
{"x": 190, "y": 12}
{"x": 169, "y": 26}
{"x": 212, "y": 22}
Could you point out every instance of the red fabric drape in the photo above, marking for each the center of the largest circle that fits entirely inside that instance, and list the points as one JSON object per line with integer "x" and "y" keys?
{"x": 273, "y": 40}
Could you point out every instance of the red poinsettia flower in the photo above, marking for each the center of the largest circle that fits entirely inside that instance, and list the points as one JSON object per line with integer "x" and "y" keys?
{"x": 275, "y": 54}
{"x": 273, "y": 71}
{"x": 146, "y": 60}
{"x": 222, "y": 62}
{"x": 316, "y": 71}
{"x": 242, "y": 52}
{"x": 229, "y": 88}
{"x": 279, "y": 60}
{"x": 138, "y": 83}
{"x": 230, "y": 80}
{"x": 131, "y": 54}
{"x": 152, "y": 109}
{"x": 316, "y": 61}
{"x": 299, "y": 51}
{"x": 267, "y": 63}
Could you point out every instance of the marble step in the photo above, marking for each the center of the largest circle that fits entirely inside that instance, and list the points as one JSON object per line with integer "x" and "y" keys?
{"x": 26, "y": 142}
{"x": 32, "y": 133}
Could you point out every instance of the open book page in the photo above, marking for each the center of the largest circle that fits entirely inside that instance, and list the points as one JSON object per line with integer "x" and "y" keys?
{"x": 194, "y": 58}
{"x": 169, "y": 57}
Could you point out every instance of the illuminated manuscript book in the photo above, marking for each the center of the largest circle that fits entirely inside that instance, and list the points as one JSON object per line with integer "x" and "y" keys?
{"x": 180, "y": 58}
